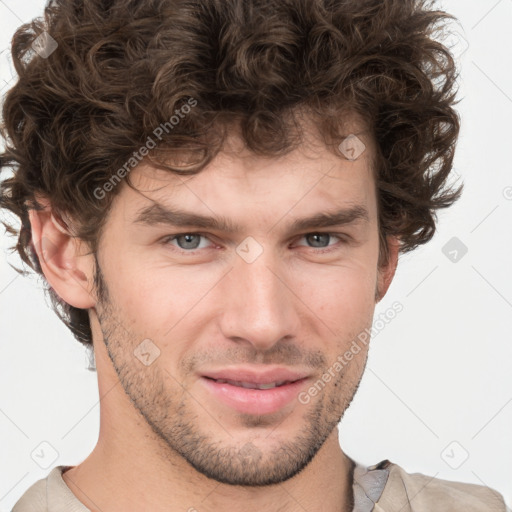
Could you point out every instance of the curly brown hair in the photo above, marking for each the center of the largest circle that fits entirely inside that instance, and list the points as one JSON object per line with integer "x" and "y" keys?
{"x": 121, "y": 68}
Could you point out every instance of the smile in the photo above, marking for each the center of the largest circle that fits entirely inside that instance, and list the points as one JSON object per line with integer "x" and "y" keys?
{"x": 252, "y": 385}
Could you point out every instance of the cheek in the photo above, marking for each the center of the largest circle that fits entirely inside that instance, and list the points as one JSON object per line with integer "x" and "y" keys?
{"x": 342, "y": 296}
{"x": 143, "y": 289}
{"x": 156, "y": 301}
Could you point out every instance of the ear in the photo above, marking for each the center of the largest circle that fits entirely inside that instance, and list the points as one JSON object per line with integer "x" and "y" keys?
{"x": 386, "y": 270}
{"x": 64, "y": 261}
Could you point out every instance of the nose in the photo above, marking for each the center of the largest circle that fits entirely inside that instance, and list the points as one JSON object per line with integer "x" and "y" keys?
{"x": 258, "y": 305}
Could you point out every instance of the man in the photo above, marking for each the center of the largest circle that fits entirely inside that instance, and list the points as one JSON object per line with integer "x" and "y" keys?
{"x": 217, "y": 193}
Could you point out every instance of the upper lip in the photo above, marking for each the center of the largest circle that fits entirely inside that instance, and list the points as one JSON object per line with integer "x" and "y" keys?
{"x": 255, "y": 376}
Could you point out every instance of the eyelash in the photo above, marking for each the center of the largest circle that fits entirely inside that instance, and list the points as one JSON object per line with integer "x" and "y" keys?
{"x": 342, "y": 237}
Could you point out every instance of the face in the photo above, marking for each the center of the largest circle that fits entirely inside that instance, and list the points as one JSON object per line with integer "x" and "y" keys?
{"x": 204, "y": 321}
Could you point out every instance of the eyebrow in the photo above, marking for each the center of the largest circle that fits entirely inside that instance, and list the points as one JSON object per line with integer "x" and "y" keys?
{"x": 159, "y": 214}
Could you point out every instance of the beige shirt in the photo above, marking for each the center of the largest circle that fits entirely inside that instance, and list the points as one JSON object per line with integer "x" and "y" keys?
{"x": 384, "y": 487}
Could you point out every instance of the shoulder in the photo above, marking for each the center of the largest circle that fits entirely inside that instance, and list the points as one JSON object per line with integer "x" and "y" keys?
{"x": 48, "y": 494}
{"x": 33, "y": 499}
{"x": 415, "y": 492}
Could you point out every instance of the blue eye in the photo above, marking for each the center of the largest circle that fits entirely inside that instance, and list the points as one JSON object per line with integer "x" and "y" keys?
{"x": 186, "y": 241}
{"x": 190, "y": 242}
{"x": 320, "y": 239}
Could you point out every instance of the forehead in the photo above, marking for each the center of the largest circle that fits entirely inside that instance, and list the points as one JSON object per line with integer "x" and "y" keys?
{"x": 239, "y": 183}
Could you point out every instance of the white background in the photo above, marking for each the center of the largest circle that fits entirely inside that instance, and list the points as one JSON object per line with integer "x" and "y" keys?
{"x": 438, "y": 386}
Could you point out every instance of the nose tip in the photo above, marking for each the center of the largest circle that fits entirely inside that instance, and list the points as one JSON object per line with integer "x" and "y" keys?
{"x": 258, "y": 305}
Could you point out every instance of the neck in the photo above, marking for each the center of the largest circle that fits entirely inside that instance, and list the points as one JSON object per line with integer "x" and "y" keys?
{"x": 142, "y": 474}
{"x": 132, "y": 469}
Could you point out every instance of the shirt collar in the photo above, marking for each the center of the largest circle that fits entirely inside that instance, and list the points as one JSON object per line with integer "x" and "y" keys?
{"x": 368, "y": 485}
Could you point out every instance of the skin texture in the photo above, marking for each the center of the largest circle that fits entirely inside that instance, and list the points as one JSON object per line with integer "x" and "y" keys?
{"x": 166, "y": 443}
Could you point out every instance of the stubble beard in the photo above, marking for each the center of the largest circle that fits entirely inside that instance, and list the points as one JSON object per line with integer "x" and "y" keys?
{"x": 179, "y": 428}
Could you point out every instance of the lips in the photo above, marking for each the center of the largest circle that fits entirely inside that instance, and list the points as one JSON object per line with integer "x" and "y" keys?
{"x": 255, "y": 377}
{"x": 253, "y": 385}
{"x": 249, "y": 391}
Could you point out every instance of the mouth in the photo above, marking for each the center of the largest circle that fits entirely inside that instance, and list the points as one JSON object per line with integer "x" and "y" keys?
{"x": 250, "y": 397}
{"x": 253, "y": 385}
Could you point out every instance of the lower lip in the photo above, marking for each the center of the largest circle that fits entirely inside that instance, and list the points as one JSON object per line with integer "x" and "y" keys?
{"x": 254, "y": 401}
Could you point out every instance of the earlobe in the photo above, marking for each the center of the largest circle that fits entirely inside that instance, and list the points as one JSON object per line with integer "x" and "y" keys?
{"x": 69, "y": 273}
{"x": 386, "y": 272}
